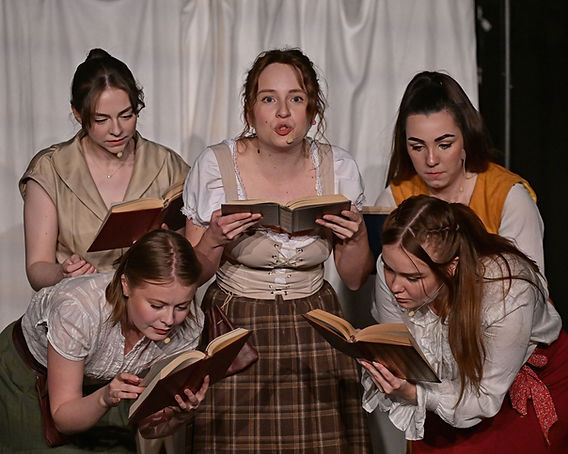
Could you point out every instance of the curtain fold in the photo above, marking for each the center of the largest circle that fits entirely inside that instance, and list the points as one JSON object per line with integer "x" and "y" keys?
{"x": 191, "y": 57}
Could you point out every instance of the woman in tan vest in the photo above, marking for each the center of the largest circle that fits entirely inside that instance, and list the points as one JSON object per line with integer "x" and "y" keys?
{"x": 69, "y": 187}
{"x": 301, "y": 396}
{"x": 441, "y": 148}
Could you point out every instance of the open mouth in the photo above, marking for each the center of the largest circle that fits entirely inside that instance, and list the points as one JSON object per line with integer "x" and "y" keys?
{"x": 283, "y": 130}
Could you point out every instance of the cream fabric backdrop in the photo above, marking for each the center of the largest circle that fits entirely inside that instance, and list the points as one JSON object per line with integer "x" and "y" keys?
{"x": 191, "y": 56}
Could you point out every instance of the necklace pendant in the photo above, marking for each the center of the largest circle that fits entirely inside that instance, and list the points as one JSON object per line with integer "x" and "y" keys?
{"x": 109, "y": 177}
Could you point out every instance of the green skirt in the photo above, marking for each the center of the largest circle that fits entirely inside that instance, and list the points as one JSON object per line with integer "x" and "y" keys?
{"x": 20, "y": 418}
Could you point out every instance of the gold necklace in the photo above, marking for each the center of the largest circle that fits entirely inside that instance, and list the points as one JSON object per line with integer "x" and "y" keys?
{"x": 110, "y": 175}
{"x": 119, "y": 156}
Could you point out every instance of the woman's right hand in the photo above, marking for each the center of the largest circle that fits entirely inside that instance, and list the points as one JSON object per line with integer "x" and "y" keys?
{"x": 76, "y": 266}
{"x": 224, "y": 229}
{"x": 123, "y": 386}
{"x": 388, "y": 383}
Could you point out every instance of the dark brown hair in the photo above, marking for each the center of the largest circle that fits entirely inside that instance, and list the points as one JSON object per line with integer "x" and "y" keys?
{"x": 161, "y": 256}
{"x": 432, "y": 92}
{"x": 100, "y": 71}
{"x": 307, "y": 78}
{"x": 451, "y": 230}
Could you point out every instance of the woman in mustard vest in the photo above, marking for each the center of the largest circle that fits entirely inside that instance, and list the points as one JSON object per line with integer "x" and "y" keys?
{"x": 441, "y": 148}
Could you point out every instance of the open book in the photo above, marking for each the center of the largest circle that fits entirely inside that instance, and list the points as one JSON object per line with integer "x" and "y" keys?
{"x": 389, "y": 344}
{"x": 171, "y": 375}
{"x": 128, "y": 221}
{"x": 295, "y": 216}
{"x": 374, "y": 218}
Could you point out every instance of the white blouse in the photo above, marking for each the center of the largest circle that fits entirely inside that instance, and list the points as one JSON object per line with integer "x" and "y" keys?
{"x": 74, "y": 317}
{"x": 512, "y": 326}
{"x": 204, "y": 193}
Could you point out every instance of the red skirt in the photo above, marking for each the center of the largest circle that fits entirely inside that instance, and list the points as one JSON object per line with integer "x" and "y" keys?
{"x": 508, "y": 431}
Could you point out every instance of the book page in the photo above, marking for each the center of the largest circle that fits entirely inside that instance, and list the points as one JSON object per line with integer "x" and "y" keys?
{"x": 167, "y": 365}
{"x": 225, "y": 339}
{"x": 386, "y": 333}
{"x": 337, "y": 324}
{"x": 368, "y": 209}
{"x": 316, "y": 200}
{"x": 135, "y": 205}
{"x": 304, "y": 217}
{"x": 268, "y": 210}
{"x": 173, "y": 192}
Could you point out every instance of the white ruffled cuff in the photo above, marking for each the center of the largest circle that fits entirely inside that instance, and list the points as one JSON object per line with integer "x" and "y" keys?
{"x": 406, "y": 417}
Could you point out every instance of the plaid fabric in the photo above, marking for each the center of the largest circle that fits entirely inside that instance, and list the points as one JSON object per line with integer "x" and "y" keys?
{"x": 301, "y": 395}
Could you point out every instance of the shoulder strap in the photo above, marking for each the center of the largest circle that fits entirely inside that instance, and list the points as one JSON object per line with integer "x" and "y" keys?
{"x": 227, "y": 169}
{"x": 327, "y": 174}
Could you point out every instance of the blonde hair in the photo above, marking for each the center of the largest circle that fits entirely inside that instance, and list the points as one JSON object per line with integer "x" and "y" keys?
{"x": 160, "y": 256}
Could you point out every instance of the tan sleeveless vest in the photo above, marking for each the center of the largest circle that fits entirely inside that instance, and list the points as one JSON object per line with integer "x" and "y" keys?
{"x": 256, "y": 266}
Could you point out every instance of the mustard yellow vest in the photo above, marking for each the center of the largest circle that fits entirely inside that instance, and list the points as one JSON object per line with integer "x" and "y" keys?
{"x": 487, "y": 200}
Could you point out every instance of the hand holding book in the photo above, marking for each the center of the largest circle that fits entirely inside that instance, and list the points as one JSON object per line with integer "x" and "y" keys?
{"x": 166, "y": 421}
{"x": 388, "y": 383}
{"x": 171, "y": 376}
{"x": 126, "y": 222}
{"x": 389, "y": 344}
{"x": 295, "y": 216}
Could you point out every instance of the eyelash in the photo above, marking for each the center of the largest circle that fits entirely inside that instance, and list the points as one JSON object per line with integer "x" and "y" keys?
{"x": 443, "y": 146}
{"x": 123, "y": 117}
{"x": 178, "y": 308}
{"x": 294, "y": 99}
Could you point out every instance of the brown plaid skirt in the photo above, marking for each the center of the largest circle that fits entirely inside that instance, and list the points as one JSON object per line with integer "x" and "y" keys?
{"x": 301, "y": 396}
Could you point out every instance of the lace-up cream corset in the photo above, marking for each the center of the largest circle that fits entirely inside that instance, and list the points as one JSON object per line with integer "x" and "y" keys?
{"x": 260, "y": 265}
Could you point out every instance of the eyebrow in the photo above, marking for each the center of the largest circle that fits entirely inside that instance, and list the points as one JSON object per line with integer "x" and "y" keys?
{"x": 413, "y": 275}
{"x": 437, "y": 139}
{"x": 122, "y": 112}
{"x": 269, "y": 90}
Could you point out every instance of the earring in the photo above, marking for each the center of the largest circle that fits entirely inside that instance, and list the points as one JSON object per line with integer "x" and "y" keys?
{"x": 463, "y": 156}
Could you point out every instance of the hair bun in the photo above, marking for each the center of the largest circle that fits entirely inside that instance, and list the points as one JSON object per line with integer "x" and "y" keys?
{"x": 97, "y": 53}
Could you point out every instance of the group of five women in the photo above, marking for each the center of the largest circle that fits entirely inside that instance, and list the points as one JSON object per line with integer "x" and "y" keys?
{"x": 469, "y": 288}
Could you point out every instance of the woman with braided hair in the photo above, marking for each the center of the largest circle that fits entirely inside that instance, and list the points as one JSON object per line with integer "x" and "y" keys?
{"x": 477, "y": 307}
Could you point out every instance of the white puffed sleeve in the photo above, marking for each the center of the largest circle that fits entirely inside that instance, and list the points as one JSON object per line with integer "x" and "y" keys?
{"x": 203, "y": 191}
{"x": 521, "y": 223}
{"x": 348, "y": 179}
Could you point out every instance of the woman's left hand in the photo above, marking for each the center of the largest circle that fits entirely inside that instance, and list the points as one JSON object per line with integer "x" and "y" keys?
{"x": 348, "y": 226}
{"x": 169, "y": 419}
{"x": 388, "y": 384}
